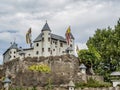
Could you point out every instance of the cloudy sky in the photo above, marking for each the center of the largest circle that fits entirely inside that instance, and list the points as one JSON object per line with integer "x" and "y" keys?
{"x": 84, "y": 17}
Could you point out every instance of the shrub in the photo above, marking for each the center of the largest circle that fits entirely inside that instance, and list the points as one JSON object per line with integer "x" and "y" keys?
{"x": 92, "y": 83}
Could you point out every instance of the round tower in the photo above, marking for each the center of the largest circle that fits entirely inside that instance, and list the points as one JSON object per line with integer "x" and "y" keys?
{"x": 46, "y": 38}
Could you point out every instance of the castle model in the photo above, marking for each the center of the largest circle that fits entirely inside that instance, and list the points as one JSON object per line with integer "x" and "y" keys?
{"x": 46, "y": 44}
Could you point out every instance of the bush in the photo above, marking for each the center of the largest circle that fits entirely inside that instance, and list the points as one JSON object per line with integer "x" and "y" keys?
{"x": 92, "y": 83}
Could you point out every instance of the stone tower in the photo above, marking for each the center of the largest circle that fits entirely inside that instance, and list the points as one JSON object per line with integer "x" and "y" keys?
{"x": 46, "y": 38}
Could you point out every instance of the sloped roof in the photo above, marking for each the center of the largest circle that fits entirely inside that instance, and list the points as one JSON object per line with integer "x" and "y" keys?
{"x": 116, "y": 73}
{"x": 82, "y": 66}
{"x": 46, "y": 27}
{"x": 53, "y": 36}
{"x": 57, "y": 37}
{"x": 7, "y": 80}
{"x": 13, "y": 46}
{"x": 71, "y": 84}
{"x": 39, "y": 38}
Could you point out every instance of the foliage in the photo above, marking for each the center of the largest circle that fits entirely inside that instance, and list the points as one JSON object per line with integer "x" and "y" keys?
{"x": 34, "y": 88}
{"x": 49, "y": 86}
{"x": 92, "y": 83}
{"x": 103, "y": 51}
{"x": 40, "y": 68}
{"x": 87, "y": 57}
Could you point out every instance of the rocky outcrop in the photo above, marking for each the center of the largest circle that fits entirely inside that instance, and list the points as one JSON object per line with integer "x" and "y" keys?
{"x": 63, "y": 69}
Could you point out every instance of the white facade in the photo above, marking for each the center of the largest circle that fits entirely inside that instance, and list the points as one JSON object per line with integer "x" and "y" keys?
{"x": 46, "y": 44}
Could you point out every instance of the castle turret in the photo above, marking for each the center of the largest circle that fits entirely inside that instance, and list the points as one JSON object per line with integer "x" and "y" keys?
{"x": 46, "y": 38}
{"x": 10, "y": 53}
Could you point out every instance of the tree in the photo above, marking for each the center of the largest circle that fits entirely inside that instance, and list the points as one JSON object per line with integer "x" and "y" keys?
{"x": 107, "y": 43}
{"x": 89, "y": 57}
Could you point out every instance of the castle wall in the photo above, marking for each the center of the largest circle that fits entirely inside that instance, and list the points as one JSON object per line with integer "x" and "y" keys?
{"x": 38, "y": 49}
{"x": 12, "y": 53}
{"x": 29, "y": 53}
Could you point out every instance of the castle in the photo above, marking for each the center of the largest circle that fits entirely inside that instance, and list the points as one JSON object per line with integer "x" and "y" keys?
{"x": 46, "y": 44}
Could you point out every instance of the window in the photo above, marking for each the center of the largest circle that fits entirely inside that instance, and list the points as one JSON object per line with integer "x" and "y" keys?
{"x": 42, "y": 39}
{"x": 14, "y": 52}
{"x": 70, "y": 45}
{"x": 61, "y": 44}
{"x": 42, "y": 49}
{"x": 37, "y": 52}
{"x": 49, "y": 39}
{"x": 37, "y": 44}
{"x": 48, "y": 33}
{"x": 48, "y": 49}
{"x": 14, "y": 56}
{"x": 53, "y": 49}
{"x": 56, "y": 43}
{"x": 29, "y": 54}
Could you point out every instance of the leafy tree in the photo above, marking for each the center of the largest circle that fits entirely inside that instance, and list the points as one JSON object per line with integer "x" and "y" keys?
{"x": 90, "y": 57}
{"x": 86, "y": 57}
{"x": 107, "y": 44}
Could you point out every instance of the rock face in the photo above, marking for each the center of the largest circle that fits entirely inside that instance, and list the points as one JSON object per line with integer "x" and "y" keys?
{"x": 63, "y": 69}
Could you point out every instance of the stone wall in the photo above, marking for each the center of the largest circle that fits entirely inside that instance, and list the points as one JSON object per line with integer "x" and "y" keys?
{"x": 63, "y": 69}
{"x": 66, "y": 88}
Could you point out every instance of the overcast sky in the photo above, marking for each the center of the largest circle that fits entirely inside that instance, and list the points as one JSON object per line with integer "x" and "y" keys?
{"x": 84, "y": 17}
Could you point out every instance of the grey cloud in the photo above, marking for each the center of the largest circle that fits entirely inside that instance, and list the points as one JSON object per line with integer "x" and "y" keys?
{"x": 84, "y": 17}
{"x": 9, "y": 31}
